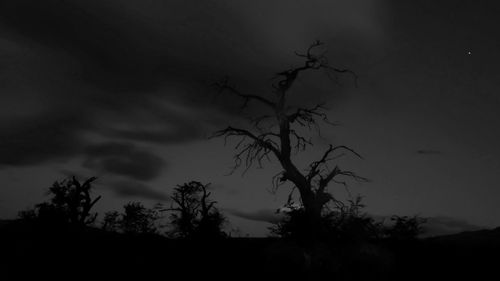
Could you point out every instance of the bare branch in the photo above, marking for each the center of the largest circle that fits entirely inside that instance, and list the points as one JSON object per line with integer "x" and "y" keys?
{"x": 251, "y": 148}
{"x": 224, "y": 85}
{"x": 301, "y": 142}
{"x": 307, "y": 116}
{"x": 335, "y": 70}
{"x": 315, "y": 167}
{"x": 313, "y": 61}
{"x": 325, "y": 180}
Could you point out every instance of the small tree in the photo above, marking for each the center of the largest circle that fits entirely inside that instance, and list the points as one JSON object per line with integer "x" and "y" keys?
{"x": 194, "y": 215}
{"x": 71, "y": 203}
{"x": 139, "y": 219}
{"x": 405, "y": 227}
{"x": 111, "y": 221}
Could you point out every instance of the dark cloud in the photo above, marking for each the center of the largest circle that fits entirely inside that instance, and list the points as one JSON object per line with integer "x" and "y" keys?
{"x": 123, "y": 159}
{"x": 225, "y": 189}
{"x": 96, "y": 65}
{"x": 162, "y": 124}
{"x": 73, "y": 67}
{"x": 107, "y": 52}
{"x": 81, "y": 176}
{"x": 133, "y": 49}
{"x": 124, "y": 188}
{"x": 265, "y": 215}
{"x": 137, "y": 190}
{"x": 428, "y": 151}
{"x": 37, "y": 139}
{"x": 120, "y": 50}
{"x": 164, "y": 136}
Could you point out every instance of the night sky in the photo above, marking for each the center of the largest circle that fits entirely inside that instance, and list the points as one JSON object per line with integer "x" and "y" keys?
{"x": 121, "y": 89}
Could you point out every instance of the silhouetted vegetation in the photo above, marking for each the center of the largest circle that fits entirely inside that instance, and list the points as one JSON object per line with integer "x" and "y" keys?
{"x": 193, "y": 213}
{"x": 111, "y": 221}
{"x": 405, "y": 227}
{"x": 347, "y": 223}
{"x": 353, "y": 246}
{"x": 135, "y": 219}
{"x": 70, "y": 203}
{"x": 139, "y": 219}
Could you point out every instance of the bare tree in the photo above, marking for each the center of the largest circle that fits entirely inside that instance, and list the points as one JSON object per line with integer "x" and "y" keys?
{"x": 285, "y": 134}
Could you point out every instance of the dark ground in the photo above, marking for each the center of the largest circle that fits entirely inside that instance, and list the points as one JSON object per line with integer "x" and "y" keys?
{"x": 31, "y": 252}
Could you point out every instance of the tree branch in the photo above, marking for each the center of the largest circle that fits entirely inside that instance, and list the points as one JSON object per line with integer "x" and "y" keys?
{"x": 257, "y": 149}
{"x": 325, "y": 180}
{"x": 224, "y": 85}
{"x": 315, "y": 167}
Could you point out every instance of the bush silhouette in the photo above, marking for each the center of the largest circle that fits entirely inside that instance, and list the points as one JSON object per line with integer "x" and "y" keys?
{"x": 70, "y": 203}
{"x": 138, "y": 219}
{"x": 194, "y": 215}
{"x": 405, "y": 227}
{"x": 339, "y": 222}
{"x": 111, "y": 221}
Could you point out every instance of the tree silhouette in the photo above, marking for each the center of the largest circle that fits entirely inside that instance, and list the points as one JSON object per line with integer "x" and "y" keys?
{"x": 405, "y": 227}
{"x": 138, "y": 219}
{"x": 284, "y": 135}
{"x": 71, "y": 203}
{"x": 111, "y": 221}
{"x": 194, "y": 215}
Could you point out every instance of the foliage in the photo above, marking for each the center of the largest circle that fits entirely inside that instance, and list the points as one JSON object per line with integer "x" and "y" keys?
{"x": 343, "y": 222}
{"x": 337, "y": 222}
{"x": 193, "y": 213}
{"x": 405, "y": 227}
{"x": 70, "y": 203}
{"x": 136, "y": 219}
{"x": 139, "y": 219}
{"x": 111, "y": 221}
{"x": 27, "y": 215}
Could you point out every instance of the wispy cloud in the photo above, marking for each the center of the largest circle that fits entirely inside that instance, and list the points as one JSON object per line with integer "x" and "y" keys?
{"x": 123, "y": 159}
{"x": 134, "y": 189}
{"x": 265, "y": 215}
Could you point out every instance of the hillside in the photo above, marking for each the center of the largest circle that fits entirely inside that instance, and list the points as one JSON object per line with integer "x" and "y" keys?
{"x": 30, "y": 251}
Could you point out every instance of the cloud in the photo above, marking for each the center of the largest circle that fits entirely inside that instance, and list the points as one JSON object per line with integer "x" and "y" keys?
{"x": 41, "y": 138}
{"x": 163, "y": 122}
{"x": 108, "y": 52}
{"x": 428, "y": 151}
{"x": 265, "y": 215}
{"x": 441, "y": 225}
{"x": 121, "y": 187}
{"x": 75, "y": 68}
{"x": 134, "y": 49}
{"x": 138, "y": 190}
{"x": 123, "y": 159}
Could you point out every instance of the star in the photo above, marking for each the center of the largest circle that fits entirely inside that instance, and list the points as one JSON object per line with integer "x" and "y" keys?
{"x": 469, "y": 53}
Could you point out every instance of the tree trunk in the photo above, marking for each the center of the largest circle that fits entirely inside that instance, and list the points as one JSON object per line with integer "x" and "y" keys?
{"x": 312, "y": 211}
